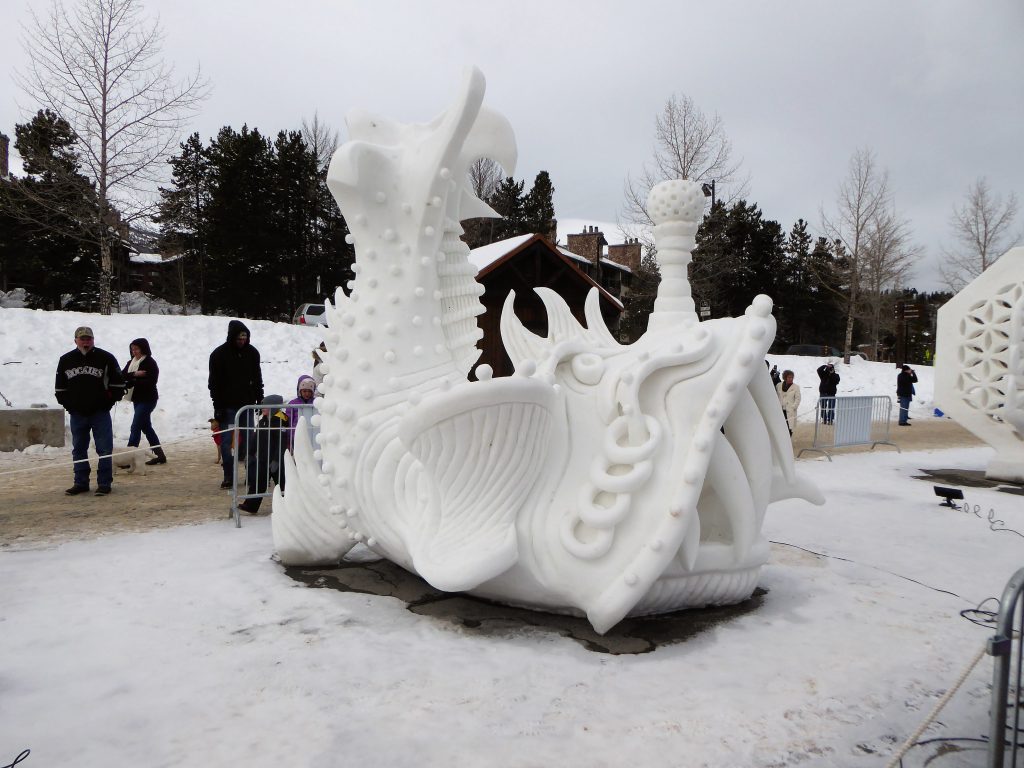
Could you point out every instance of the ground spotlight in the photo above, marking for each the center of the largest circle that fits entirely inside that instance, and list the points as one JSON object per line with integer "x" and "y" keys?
{"x": 948, "y": 494}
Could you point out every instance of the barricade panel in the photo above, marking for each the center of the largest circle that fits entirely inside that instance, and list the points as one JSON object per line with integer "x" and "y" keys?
{"x": 1007, "y": 649}
{"x": 851, "y": 420}
{"x": 265, "y": 436}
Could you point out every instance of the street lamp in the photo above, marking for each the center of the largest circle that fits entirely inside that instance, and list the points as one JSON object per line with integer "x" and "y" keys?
{"x": 709, "y": 191}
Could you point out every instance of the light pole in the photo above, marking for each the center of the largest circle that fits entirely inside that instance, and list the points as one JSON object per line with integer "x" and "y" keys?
{"x": 709, "y": 191}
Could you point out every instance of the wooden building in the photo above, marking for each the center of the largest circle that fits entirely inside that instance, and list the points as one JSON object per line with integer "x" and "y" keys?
{"x": 521, "y": 264}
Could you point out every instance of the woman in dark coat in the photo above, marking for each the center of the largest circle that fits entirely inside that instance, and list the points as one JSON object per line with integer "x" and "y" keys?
{"x": 141, "y": 374}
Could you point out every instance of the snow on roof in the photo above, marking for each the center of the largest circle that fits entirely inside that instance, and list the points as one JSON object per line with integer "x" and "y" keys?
{"x": 146, "y": 258}
{"x": 486, "y": 255}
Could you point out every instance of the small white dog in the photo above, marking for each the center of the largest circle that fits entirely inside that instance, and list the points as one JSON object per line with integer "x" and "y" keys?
{"x": 129, "y": 463}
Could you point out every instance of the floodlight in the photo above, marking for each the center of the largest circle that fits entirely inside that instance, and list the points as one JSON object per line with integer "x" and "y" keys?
{"x": 948, "y": 494}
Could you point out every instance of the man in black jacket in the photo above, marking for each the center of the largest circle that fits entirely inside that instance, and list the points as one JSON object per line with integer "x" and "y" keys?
{"x": 905, "y": 392}
{"x": 235, "y": 381}
{"x": 827, "y": 391}
{"x": 88, "y": 383}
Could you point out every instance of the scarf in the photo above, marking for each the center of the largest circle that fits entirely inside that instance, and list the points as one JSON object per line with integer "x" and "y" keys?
{"x": 133, "y": 366}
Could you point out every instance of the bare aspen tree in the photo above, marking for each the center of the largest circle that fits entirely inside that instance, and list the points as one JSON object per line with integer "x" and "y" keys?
{"x": 862, "y": 197}
{"x": 888, "y": 259}
{"x": 688, "y": 144}
{"x": 321, "y": 140}
{"x": 981, "y": 228}
{"x": 484, "y": 177}
{"x": 98, "y": 66}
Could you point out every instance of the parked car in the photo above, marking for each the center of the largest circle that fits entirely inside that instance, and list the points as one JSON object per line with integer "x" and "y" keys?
{"x": 310, "y": 314}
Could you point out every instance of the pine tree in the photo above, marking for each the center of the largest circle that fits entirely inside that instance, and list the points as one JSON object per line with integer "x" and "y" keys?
{"x": 507, "y": 201}
{"x": 539, "y": 207}
{"x": 51, "y": 248}
{"x": 643, "y": 291}
{"x": 183, "y": 217}
{"x": 242, "y": 274}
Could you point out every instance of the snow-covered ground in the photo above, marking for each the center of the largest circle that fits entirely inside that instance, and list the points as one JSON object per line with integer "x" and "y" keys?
{"x": 31, "y": 341}
{"x": 191, "y": 646}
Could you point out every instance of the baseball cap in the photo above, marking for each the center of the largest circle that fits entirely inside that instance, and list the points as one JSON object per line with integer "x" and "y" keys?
{"x": 83, "y": 330}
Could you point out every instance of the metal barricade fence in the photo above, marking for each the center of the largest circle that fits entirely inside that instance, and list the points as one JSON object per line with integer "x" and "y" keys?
{"x": 264, "y": 435}
{"x": 841, "y": 422}
{"x": 1005, "y": 709}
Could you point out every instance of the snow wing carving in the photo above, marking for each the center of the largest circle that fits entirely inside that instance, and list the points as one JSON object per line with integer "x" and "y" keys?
{"x": 601, "y": 478}
{"x": 979, "y": 362}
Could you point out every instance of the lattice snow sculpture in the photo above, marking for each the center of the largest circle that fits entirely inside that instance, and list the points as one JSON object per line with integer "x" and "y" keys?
{"x": 979, "y": 362}
{"x": 613, "y": 480}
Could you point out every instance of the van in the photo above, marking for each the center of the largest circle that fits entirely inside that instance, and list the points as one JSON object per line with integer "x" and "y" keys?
{"x": 310, "y": 314}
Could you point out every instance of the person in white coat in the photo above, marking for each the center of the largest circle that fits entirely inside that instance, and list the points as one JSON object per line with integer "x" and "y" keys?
{"x": 789, "y": 397}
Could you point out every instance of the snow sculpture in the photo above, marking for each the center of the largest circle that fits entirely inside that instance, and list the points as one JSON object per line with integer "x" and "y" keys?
{"x": 979, "y": 362}
{"x": 613, "y": 480}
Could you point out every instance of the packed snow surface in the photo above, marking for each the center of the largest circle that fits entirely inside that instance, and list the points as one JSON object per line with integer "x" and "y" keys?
{"x": 192, "y": 646}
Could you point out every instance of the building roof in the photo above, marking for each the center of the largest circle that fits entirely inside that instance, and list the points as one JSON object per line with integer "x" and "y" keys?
{"x": 488, "y": 257}
{"x": 486, "y": 254}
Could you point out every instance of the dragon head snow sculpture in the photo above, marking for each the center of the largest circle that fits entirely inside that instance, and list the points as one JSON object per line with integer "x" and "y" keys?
{"x": 600, "y": 478}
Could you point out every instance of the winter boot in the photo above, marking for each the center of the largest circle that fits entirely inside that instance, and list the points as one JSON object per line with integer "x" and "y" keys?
{"x": 160, "y": 457}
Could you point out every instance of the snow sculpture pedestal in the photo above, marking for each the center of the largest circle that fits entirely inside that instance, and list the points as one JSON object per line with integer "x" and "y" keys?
{"x": 979, "y": 362}
{"x": 602, "y": 479}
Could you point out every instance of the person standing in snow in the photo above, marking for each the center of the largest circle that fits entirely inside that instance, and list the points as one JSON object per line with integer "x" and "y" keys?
{"x": 235, "y": 380}
{"x": 905, "y": 391}
{"x": 827, "y": 391}
{"x": 88, "y": 383}
{"x": 140, "y": 376}
{"x": 789, "y": 397}
{"x": 305, "y": 390}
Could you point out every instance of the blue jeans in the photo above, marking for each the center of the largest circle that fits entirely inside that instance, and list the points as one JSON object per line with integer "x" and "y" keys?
{"x": 103, "y": 434}
{"x": 226, "y": 418}
{"x": 143, "y": 424}
{"x": 827, "y": 405}
{"x": 904, "y": 409}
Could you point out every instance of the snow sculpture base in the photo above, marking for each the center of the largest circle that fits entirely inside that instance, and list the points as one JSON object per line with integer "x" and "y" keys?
{"x": 979, "y": 362}
{"x": 600, "y": 478}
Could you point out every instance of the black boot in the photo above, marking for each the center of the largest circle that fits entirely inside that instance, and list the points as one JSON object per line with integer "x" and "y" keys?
{"x": 160, "y": 457}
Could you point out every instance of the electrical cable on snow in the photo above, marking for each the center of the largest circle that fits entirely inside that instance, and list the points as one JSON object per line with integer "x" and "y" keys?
{"x": 867, "y": 565}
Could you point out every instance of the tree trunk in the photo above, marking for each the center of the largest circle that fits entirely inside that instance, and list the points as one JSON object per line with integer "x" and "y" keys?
{"x": 106, "y": 270}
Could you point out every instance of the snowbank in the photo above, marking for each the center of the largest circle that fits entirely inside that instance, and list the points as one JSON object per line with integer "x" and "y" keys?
{"x": 31, "y": 341}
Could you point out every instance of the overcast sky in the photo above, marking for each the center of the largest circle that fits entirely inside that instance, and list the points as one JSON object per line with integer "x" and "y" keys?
{"x": 933, "y": 87}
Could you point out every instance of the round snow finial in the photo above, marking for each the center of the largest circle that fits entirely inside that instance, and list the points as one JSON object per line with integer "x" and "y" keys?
{"x": 527, "y": 368}
{"x": 484, "y": 372}
{"x": 762, "y": 305}
{"x": 675, "y": 200}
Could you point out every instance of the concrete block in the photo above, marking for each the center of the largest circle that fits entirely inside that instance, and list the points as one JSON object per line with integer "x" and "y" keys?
{"x": 22, "y": 427}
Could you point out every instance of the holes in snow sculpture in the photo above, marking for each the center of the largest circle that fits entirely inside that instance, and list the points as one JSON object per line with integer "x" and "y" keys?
{"x": 979, "y": 362}
{"x": 597, "y": 478}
